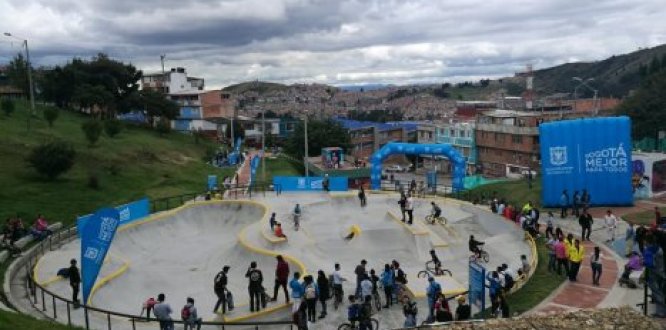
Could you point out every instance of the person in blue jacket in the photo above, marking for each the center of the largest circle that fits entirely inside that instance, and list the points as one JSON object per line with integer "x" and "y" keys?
{"x": 297, "y": 291}
{"x": 433, "y": 291}
{"x": 494, "y": 290}
{"x": 388, "y": 280}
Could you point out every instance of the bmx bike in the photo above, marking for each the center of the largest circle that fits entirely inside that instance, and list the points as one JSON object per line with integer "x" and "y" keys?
{"x": 430, "y": 218}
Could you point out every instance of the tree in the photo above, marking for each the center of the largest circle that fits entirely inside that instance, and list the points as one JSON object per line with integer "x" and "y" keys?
{"x": 158, "y": 106}
{"x": 17, "y": 73}
{"x": 7, "y": 107}
{"x": 51, "y": 115}
{"x": 647, "y": 107}
{"x": 52, "y": 159}
{"x": 239, "y": 131}
{"x": 326, "y": 133}
{"x": 93, "y": 130}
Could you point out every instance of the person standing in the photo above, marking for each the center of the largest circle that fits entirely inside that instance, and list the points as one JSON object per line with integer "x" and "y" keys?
{"x": 552, "y": 261}
{"x": 561, "y": 256}
{"x": 360, "y": 275}
{"x": 611, "y": 223}
{"x": 410, "y": 209}
{"x": 255, "y": 286}
{"x": 409, "y": 310}
{"x": 629, "y": 240}
{"x": 220, "y": 288}
{"x": 585, "y": 222}
{"x": 388, "y": 281}
{"x": 576, "y": 254}
{"x": 595, "y": 264}
{"x": 361, "y": 196}
{"x": 639, "y": 237}
{"x": 190, "y": 316}
{"x": 433, "y": 291}
{"x": 310, "y": 295}
{"x": 281, "y": 278}
{"x": 576, "y": 204}
{"x": 586, "y": 199}
{"x": 74, "y": 281}
{"x": 272, "y": 222}
{"x": 162, "y": 312}
{"x": 324, "y": 292}
{"x": 403, "y": 205}
{"x": 337, "y": 286}
{"x": 366, "y": 287}
{"x": 564, "y": 204}
{"x": 296, "y": 292}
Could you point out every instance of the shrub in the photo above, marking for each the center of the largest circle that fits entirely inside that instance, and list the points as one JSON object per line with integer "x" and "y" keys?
{"x": 93, "y": 130}
{"x": 51, "y": 114}
{"x": 52, "y": 159}
{"x": 7, "y": 107}
{"x": 163, "y": 126}
{"x": 112, "y": 127}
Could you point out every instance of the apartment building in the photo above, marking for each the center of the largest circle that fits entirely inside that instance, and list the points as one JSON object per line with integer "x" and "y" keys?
{"x": 461, "y": 135}
{"x": 173, "y": 81}
{"x": 507, "y": 142}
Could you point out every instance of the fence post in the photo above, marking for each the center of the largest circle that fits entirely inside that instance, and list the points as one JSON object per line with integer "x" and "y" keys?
{"x": 108, "y": 319}
{"x": 69, "y": 314}
{"x": 43, "y": 302}
{"x": 85, "y": 314}
{"x": 55, "y": 314}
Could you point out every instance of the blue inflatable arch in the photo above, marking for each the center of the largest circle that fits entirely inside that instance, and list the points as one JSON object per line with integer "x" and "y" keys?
{"x": 393, "y": 148}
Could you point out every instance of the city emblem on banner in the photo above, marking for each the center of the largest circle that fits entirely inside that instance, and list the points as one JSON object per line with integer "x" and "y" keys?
{"x": 558, "y": 156}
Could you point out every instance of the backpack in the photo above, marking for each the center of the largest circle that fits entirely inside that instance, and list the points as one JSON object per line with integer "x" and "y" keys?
{"x": 353, "y": 312}
{"x": 185, "y": 313}
{"x": 508, "y": 281}
{"x": 310, "y": 292}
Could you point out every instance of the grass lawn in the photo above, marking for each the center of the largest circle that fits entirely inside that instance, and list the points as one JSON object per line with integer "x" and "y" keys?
{"x": 137, "y": 162}
{"x": 17, "y": 321}
{"x": 644, "y": 217}
{"x": 280, "y": 166}
{"x": 515, "y": 191}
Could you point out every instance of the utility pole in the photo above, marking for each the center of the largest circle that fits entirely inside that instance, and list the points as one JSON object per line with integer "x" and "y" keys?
{"x": 263, "y": 144}
{"x": 305, "y": 160}
{"x": 29, "y": 68}
{"x": 162, "y": 57}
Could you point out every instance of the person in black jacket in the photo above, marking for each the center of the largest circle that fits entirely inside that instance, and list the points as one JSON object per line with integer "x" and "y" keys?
{"x": 74, "y": 281}
{"x": 585, "y": 222}
{"x": 324, "y": 294}
{"x": 220, "y": 288}
{"x": 255, "y": 286}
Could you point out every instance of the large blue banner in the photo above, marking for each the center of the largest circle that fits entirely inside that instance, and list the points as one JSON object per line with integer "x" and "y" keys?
{"x": 301, "y": 183}
{"x": 128, "y": 212}
{"x": 477, "y": 285}
{"x": 254, "y": 165}
{"x": 587, "y": 154}
{"x": 96, "y": 235}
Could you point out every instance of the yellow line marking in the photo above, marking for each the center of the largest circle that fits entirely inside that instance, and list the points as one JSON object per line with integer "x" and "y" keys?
{"x": 263, "y": 312}
{"x": 411, "y": 229}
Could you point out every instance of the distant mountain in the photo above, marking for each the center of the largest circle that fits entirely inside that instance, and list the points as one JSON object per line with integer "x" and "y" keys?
{"x": 363, "y": 87}
{"x": 615, "y": 76}
{"x": 256, "y": 86}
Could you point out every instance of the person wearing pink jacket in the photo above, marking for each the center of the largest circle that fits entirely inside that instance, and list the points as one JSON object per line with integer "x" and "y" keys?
{"x": 561, "y": 256}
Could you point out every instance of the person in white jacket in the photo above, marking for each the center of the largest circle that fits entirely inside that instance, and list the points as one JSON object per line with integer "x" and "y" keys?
{"x": 611, "y": 223}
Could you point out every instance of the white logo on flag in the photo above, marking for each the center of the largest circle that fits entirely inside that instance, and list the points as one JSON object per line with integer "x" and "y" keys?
{"x": 91, "y": 253}
{"x": 558, "y": 156}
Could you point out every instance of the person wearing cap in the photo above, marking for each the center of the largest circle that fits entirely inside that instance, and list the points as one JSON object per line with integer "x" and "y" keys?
{"x": 463, "y": 311}
{"x": 220, "y": 288}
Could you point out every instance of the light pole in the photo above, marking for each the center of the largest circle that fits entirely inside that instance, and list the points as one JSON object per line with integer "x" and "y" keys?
{"x": 305, "y": 159}
{"x": 263, "y": 144}
{"x": 32, "y": 88}
{"x": 583, "y": 82}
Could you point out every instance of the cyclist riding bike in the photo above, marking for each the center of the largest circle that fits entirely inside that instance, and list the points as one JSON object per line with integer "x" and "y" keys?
{"x": 297, "y": 216}
{"x": 436, "y": 262}
{"x": 436, "y": 211}
{"x": 474, "y": 246}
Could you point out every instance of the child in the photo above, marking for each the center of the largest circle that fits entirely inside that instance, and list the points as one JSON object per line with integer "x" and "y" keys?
{"x": 353, "y": 311}
{"x": 278, "y": 231}
{"x": 463, "y": 311}
{"x": 525, "y": 264}
{"x": 549, "y": 225}
{"x": 148, "y": 306}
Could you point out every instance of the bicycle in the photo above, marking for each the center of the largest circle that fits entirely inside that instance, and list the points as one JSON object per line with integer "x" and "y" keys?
{"x": 483, "y": 255}
{"x": 355, "y": 325}
{"x": 430, "y": 218}
{"x": 431, "y": 270}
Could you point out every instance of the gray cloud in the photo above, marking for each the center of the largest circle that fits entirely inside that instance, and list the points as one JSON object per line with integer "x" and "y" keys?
{"x": 337, "y": 42}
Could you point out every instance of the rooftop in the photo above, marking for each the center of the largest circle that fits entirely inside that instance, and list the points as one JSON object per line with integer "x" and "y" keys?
{"x": 500, "y": 113}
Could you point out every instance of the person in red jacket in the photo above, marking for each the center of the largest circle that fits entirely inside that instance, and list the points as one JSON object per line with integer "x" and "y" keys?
{"x": 281, "y": 278}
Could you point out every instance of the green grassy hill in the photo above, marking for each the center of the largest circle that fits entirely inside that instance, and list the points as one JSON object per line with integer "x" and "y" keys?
{"x": 137, "y": 162}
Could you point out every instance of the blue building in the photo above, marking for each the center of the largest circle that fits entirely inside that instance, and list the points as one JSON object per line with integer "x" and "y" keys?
{"x": 462, "y": 136}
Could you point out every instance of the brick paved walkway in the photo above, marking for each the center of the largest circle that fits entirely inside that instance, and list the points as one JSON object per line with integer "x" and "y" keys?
{"x": 582, "y": 294}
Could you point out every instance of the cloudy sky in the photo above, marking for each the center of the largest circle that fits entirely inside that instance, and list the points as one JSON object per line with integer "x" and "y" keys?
{"x": 329, "y": 41}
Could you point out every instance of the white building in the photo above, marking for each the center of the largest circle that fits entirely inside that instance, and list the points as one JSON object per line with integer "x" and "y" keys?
{"x": 171, "y": 82}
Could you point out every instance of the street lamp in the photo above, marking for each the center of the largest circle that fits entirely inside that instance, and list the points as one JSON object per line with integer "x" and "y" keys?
{"x": 32, "y": 88}
{"x": 307, "y": 172}
{"x": 263, "y": 144}
{"x": 584, "y": 82}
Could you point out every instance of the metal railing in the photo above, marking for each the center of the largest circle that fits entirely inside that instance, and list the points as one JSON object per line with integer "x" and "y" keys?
{"x": 56, "y": 307}
{"x": 420, "y": 190}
